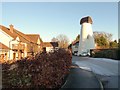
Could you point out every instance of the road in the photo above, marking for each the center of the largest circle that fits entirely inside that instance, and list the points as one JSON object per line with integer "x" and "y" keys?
{"x": 105, "y": 69}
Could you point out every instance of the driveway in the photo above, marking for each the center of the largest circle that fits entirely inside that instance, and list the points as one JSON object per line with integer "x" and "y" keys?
{"x": 105, "y": 69}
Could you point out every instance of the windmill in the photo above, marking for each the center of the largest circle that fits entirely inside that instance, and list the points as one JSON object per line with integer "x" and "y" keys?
{"x": 86, "y": 41}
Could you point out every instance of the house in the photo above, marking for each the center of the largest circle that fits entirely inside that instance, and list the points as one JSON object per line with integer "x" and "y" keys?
{"x": 4, "y": 52}
{"x": 49, "y": 46}
{"x": 36, "y": 44}
{"x": 20, "y": 44}
{"x": 75, "y": 45}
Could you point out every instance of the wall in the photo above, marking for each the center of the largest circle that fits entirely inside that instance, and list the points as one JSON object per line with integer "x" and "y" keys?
{"x": 48, "y": 49}
{"x": 4, "y": 53}
{"x": 6, "y": 40}
{"x": 74, "y": 48}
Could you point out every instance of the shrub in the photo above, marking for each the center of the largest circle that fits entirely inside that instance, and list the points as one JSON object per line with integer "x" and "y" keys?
{"x": 106, "y": 53}
{"x": 45, "y": 70}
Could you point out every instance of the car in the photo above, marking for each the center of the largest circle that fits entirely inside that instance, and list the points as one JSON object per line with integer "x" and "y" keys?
{"x": 85, "y": 54}
{"x": 75, "y": 53}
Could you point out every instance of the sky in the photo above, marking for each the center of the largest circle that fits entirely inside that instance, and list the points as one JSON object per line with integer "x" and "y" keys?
{"x": 49, "y": 19}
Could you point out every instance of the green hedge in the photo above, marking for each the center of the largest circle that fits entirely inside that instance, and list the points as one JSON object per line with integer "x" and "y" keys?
{"x": 106, "y": 53}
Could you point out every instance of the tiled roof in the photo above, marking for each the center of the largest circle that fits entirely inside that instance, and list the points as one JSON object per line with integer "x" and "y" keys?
{"x": 33, "y": 37}
{"x": 73, "y": 43}
{"x": 7, "y": 30}
{"x": 50, "y": 44}
{"x": 26, "y": 38}
{"x": 16, "y": 33}
{"x": 86, "y": 19}
{"x": 2, "y": 46}
{"x": 22, "y": 36}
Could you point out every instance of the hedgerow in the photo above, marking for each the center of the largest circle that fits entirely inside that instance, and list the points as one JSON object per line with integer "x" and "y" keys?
{"x": 45, "y": 70}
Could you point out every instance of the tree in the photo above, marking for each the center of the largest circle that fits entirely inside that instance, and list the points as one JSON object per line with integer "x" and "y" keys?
{"x": 97, "y": 34}
{"x": 63, "y": 41}
{"x": 113, "y": 44}
{"x": 54, "y": 39}
{"x": 78, "y": 37}
{"x": 103, "y": 42}
{"x": 115, "y": 41}
{"x": 108, "y": 36}
{"x": 102, "y": 39}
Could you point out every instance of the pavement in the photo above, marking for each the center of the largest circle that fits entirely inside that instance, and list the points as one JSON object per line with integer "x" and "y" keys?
{"x": 93, "y": 73}
{"x": 106, "y": 70}
{"x": 79, "y": 78}
{"x": 102, "y": 66}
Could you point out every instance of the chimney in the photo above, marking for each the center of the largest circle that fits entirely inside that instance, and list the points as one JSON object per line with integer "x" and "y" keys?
{"x": 11, "y": 28}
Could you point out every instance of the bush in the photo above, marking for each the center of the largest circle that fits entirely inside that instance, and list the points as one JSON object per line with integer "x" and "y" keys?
{"x": 106, "y": 53}
{"x": 45, "y": 70}
{"x": 118, "y": 54}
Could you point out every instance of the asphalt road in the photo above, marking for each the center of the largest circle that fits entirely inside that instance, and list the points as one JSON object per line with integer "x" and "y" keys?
{"x": 79, "y": 78}
{"x": 105, "y": 69}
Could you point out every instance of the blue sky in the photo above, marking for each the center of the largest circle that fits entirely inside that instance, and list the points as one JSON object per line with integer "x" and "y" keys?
{"x": 54, "y": 18}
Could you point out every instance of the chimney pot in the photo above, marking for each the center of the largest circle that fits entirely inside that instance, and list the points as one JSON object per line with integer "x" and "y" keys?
{"x": 11, "y": 28}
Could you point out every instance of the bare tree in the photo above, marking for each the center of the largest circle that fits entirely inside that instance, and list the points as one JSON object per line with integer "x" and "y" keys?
{"x": 63, "y": 41}
{"x": 54, "y": 39}
{"x": 108, "y": 36}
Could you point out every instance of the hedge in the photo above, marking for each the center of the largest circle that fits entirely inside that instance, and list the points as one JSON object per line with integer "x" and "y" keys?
{"x": 106, "y": 53}
{"x": 45, "y": 70}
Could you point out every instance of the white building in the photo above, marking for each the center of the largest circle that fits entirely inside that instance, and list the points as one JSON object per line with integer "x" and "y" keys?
{"x": 8, "y": 38}
{"x": 75, "y": 46}
{"x": 4, "y": 52}
{"x": 50, "y": 46}
{"x": 86, "y": 37}
{"x": 19, "y": 43}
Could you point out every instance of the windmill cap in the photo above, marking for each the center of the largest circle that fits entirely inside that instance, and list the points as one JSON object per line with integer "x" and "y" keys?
{"x": 86, "y": 19}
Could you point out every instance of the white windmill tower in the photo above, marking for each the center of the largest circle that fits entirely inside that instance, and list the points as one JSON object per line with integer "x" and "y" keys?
{"x": 86, "y": 41}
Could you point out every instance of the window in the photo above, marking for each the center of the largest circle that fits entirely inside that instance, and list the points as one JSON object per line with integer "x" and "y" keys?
{"x": 88, "y": 36}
